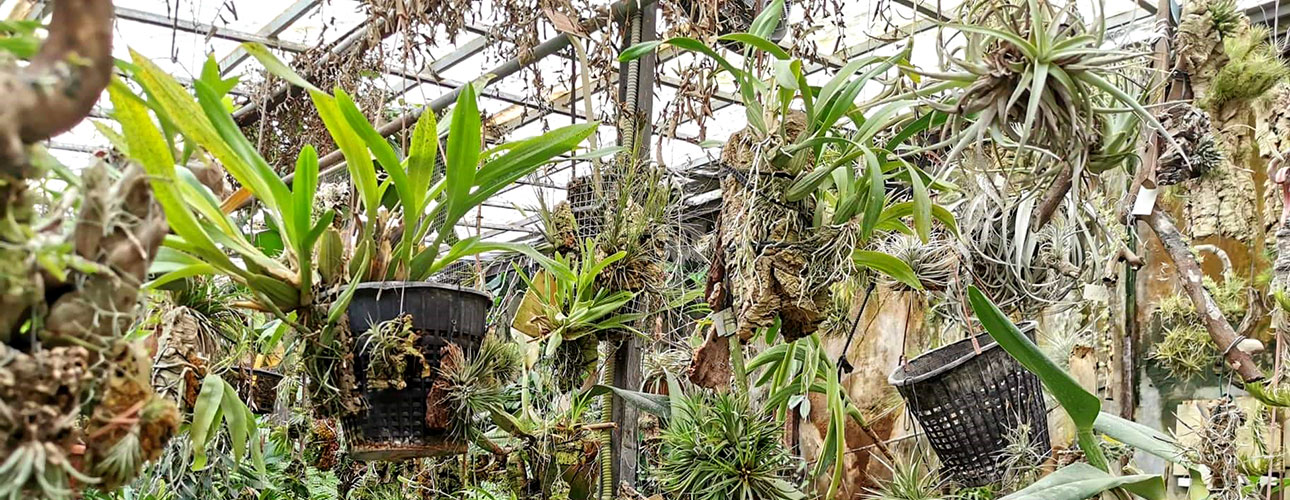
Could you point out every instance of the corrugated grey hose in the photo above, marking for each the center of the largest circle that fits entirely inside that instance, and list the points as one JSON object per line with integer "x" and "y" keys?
{"x": 629, "y": 140}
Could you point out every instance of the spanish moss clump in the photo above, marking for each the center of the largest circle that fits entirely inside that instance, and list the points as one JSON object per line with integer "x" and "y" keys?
{"x": 1253, "y": 68}
{"x": 1216, "y": 449}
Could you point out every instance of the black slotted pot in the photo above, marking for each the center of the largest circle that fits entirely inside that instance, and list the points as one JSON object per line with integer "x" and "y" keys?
{"x": 967, "y": 403}
{"x": 392, "y": 425}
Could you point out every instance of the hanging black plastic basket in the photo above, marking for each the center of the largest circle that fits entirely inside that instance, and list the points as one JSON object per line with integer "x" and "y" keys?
{"x": 392, "y": 425}
{"x": 259, "y": 387}
{"x": 968, "y": 397}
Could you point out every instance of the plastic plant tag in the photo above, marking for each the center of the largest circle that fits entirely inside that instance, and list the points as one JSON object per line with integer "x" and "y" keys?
{"x": 1146, "y": 201}
{"x": 724, "y": 320}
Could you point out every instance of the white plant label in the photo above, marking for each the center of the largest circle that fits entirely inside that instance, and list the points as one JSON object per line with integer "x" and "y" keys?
{"x": 1146, "y": 201}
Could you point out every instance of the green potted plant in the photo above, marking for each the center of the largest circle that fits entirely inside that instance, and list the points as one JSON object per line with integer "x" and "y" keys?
{"x": 801, "y": 191}
{"x": 310, "y": 287}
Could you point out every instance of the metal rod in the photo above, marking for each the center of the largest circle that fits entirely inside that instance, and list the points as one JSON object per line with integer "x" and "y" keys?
{"x": 333, "y": 163}
{"x": 205, "y": 29}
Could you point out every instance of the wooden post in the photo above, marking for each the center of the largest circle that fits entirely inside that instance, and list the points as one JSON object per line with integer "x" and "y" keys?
{"x": 636, "y": 99}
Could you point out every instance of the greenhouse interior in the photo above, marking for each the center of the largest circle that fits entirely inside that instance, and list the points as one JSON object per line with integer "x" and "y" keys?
{"x": 645, "y": 249}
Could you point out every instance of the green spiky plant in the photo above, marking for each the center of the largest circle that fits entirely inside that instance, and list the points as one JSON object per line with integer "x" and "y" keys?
{"x": 911, "y": 479}
{"x": 566, "y": 302}
{"x": 716, "y": 447}
{"x": 1253, "y": 68}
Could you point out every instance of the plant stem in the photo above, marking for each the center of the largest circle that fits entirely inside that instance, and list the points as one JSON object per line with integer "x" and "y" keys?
{"x": 737, "y": 360}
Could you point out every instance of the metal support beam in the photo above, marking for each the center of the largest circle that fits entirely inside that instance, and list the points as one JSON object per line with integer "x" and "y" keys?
{"x": 204, "y": 29}
{"x": 922, "y": 8}
{"x": 279, "y": 24}
{"x": 333, "y": 163}
{"x": 463, "y": 52}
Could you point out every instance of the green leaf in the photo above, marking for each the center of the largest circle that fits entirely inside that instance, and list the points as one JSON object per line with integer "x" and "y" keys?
{"x": 422, "y": 153}
{"x": 922, "y": 206}
{"x": 1080, "y": 481}
{"x": 211, "y": 77}
{"x": 191, "y": 118}
{"x": 637, "y": 51}
{"x": 1037, "y": 91}
{"x": 276, "y": 66}
{"x": 205, "y": 412}
{"x": 757, "y": 42}
{"x": 886, "y": 264}
{"x": 877, "y": 194}
{"x": 461, "y": 157}
{"x": 379, "y": 147}
{"x": 1026, "y": 48}
{"x": 357, "y": 160}
{"x": 766, "y": 21}
{"x": 235, "y": 418}
{"x": 270, "y": 242}
{"x": 654, "y": 404}
{"x": 1141, "y": 437}
{"x": 303, "y": 188}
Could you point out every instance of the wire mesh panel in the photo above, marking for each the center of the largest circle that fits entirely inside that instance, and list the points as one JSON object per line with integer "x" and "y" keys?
{"x": 968, "y": 402}
{"x": 588, "y": 208}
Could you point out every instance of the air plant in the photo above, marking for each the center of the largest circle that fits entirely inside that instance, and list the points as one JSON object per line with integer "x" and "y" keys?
{"x": 467, "y": 391}
{"x": 1185, "y": 350}
{"x": 1036, "y": 80}
{"x": 935, "y": 262}
{"x": 1021, "y": 461}
{"x": 565, "y": 301}
{"x": 716, "y": 447}
{"x": 912, "y": 478}
{"x": 391, "y": 347}
{"x": 1020, "y": 269}
{"x": 1225, "y": 16}
{"x": 1253, "y": 68}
